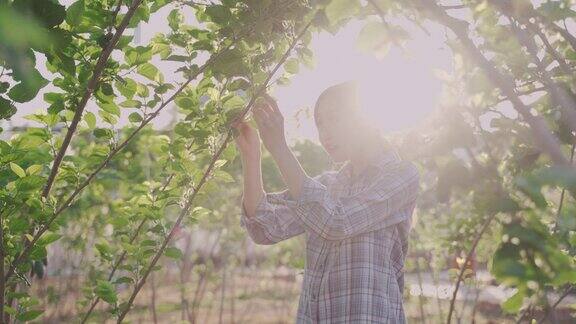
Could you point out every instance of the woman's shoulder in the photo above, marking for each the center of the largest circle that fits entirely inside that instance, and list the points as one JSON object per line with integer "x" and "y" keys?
{"x": 326, "y": 177}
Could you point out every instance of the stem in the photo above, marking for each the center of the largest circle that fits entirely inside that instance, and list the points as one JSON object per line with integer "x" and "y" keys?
{"x": 551, "y": 308}
{"x": 204, "y": 178}
{"x": 566, "y": 102}
{"x": 98, "y": 69}
{"x": 421, "y": 295}
{"x": 111, "y": 155}
{"x": 540, "y": 131}
{"x": 468, "y": 258}
{"x": 563, "y": 193}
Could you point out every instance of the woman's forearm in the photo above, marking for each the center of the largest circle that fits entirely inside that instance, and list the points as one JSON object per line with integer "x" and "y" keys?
{"x": 253, "y": 186}
{"x": 291, "y": 170}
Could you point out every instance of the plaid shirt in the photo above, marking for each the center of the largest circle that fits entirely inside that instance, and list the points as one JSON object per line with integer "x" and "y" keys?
{"x": 356, "y": 233}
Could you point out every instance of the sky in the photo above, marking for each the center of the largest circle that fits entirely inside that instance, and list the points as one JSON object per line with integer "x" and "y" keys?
{"x": 398, "y": 90}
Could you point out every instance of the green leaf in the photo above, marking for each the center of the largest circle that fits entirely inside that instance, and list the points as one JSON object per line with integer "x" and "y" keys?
{"x": 173, "y": 252}
{"x": 90, "y": 119}
{"x": 28, "y": 89}
{"x": 17, "y": 169}
{"x": 7, "y": 109}
{"x": 175, "y": 18}
{"x": 371, "y": 35}
{"x": 33, "y": 169}
{"x": 219, "y": 14}
{"x": 513, "y": 304}
{"x": 4, "y": 86}
{"x": 186, "y": 103}
{"x": 142, "y": 90}
{"x": 292, "y": 66}
{"x": 239, "y": 84}
{"x": 49, "y": 238}
{"x": 150, "y": 71}
{"x": 127, "y": 87}
{"x": 135, "y": 117}
{"x": 138, "y": 55}
{"x": 338, "y": 10}
{"x": 224, "y": 176}
{"x": 75, "y": 12}
{"x": 29, "y": 315}
{"x": 124, "y": 280}
{"x": 110, "y": 107}
{"x": 131, "y": 104}
{"x": 105, "y": 290}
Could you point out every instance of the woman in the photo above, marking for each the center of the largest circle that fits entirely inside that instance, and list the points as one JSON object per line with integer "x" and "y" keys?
{"x": 356, "y": 219}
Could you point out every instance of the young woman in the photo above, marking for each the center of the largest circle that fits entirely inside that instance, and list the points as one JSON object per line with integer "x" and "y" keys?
{"x": 356, "y": 219}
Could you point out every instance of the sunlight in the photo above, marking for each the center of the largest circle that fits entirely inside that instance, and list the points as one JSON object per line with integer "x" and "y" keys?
{"x": 397, "y": 91}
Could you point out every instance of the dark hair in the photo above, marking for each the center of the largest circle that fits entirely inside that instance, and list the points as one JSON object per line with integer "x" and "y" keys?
{"x": 346, "y": 91}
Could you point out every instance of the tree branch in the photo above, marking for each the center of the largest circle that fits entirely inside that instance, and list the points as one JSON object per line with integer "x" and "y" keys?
{"x": 540, "y": 131}
{"x": 102, "y": 165}
{"x": 98, "y": 69}
{"x": 204, "y": 178}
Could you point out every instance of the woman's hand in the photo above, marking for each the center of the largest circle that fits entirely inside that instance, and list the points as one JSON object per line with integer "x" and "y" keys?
{"x": 247, "y": 140}
{"x": 270, "y": 124}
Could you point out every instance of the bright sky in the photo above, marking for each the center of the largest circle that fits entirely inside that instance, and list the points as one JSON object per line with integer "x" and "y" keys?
{"x": 399, "y": 89}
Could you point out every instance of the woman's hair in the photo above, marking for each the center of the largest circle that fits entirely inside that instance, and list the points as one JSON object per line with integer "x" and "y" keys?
{"x": 345, "y": 93}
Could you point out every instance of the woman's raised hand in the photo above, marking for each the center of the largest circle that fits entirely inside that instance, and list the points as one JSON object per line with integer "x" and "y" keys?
{"x": 247, "y": 140}
{"x": 270, "y": 124}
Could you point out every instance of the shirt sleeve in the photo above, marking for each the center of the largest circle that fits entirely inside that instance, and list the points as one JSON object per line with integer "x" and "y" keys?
{"x": 274, "y": 219}
{"x": 388, "y": 200}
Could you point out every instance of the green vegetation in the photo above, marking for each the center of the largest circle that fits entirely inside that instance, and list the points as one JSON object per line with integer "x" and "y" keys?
{"x": 117, "y": 198}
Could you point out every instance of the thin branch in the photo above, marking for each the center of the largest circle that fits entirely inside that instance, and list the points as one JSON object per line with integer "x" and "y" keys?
{"x": 204, "y": 178}
{"x": 122, "y": 256}
{"x": 563, "y": 193}
{"x": 567, "y": 292}
{"x": 452, "y": 7}
{"x": 102, "y": 165}
{"x": 380, "y": 13}
{"x": 540, "y": 130}
{"x": 98, "y": 69}
{"x": 557, "y": 56}
{"x": 566, "y": 102}
{"x": 468, "y": 258}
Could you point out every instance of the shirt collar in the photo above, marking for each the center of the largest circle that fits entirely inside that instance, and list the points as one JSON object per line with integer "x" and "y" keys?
{"x": 385, "y": 156}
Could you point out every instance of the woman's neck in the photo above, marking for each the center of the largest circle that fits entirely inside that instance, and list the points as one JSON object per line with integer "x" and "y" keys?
{"x": 366, "y": 152}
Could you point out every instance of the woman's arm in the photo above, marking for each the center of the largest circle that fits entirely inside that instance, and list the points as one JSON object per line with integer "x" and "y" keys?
{"x": 271, "y": 126}
{"x": 388, "y": 200}
{"x": 253, "y": 191}
{"x": 265, "y": 216}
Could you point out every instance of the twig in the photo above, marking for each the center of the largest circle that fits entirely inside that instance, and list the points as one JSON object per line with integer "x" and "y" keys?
{"x": 468, "y": 258}
{"x": 98, "y": 69}
{"x": 112, "y": 153}
{"x": 563, "y": 99}
{"x": 549, "y": 310}
{"x": 540, "y": 130}
{"x": 204, "y": 178}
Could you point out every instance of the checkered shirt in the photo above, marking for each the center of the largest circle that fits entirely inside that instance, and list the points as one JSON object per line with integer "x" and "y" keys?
{"x": 356, "y": 232}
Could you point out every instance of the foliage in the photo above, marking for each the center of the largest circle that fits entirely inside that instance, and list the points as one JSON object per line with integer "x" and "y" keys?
{"x": 77, "y": 174}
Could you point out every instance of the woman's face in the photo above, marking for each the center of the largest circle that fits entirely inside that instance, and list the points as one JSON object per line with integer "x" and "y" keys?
{"x": 338, "y": 129}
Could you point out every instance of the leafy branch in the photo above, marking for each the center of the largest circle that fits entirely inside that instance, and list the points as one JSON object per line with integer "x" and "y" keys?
{"x": 540, "y": 131}
{"x": 21, "y": 257}
{"x": 91, "y": 86}
{"x": 204, "y": 178}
